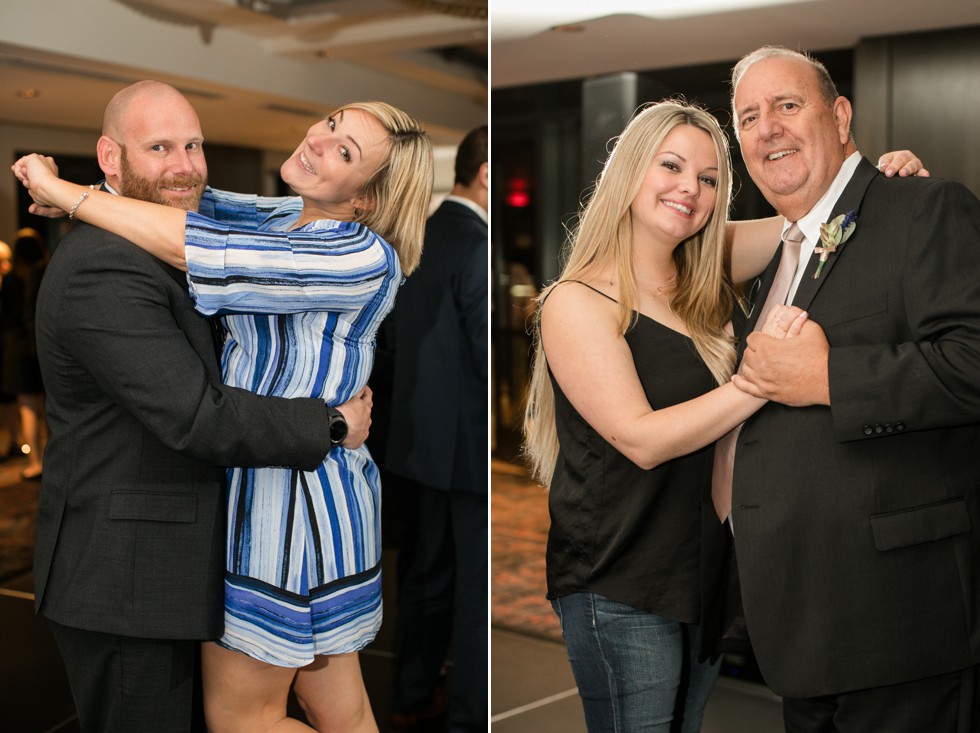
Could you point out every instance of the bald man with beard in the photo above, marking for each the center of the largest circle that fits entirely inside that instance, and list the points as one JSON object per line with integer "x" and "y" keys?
{"x": 129, "y": 555}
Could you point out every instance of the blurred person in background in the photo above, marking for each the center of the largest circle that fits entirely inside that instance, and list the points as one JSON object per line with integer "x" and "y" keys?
{"x": 21, "y": 370}
{"x": 11, "y": 438}
{"x": 438, "y": 446}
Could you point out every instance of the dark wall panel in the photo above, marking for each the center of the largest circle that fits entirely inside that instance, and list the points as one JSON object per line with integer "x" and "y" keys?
{"x": 922, "y": 92}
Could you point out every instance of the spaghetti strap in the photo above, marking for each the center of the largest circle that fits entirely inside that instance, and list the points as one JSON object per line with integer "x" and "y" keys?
{"x": 589, "y": 287}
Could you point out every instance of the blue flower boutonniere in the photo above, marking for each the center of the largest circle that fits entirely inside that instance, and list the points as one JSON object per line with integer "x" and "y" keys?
{"x": 833, "y": 234}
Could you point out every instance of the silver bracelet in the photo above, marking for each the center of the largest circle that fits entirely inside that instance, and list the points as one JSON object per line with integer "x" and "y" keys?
{"x": 71, "y": 212}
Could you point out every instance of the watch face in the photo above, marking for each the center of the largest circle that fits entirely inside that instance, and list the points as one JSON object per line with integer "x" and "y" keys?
{"x": 338, "y": 430}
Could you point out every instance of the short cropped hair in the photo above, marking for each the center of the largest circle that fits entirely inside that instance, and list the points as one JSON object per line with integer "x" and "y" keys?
{"x": 472, "y": 153}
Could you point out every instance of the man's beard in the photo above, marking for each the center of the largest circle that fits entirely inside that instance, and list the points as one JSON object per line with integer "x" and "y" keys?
{"x": 136, "y": 186}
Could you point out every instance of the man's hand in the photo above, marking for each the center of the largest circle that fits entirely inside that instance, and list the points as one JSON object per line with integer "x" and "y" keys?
{"x": 792, "y": 371}
{"x": 357, "y": 413}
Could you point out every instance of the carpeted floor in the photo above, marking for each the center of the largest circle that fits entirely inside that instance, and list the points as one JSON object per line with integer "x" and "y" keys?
{"x": 519, "y": 530}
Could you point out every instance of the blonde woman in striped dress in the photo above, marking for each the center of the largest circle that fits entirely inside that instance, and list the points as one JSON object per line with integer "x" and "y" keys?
{"x": 301, "y": 285}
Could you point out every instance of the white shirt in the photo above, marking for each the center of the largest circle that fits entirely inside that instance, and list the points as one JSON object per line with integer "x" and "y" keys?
{"x": 819, "y": 214}
{"x": 469, "y": 204}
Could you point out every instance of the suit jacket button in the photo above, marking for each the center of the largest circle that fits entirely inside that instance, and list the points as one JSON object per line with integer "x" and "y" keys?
{"x": 868, "y": 430}
{"x": 899, "y": 426}
{"x": 879, "y": 430}
{"x": 889, "y": 428}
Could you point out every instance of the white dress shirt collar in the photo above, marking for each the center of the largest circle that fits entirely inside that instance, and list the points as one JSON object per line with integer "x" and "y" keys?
{"x": 470, "y": 204}
{"x": 820, "y": 213}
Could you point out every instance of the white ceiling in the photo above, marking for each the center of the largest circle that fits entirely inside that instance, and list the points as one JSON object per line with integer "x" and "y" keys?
{"x": 259, "y": 72}
{"x": 524, "y": 51}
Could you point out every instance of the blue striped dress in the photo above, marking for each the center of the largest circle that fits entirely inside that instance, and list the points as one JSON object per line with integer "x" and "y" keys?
{"x": 300, "y": 310}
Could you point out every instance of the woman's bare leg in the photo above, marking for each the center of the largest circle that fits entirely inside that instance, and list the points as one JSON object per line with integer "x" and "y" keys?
{"x": 244, "y": 695}
{"x": 331, "y": 692}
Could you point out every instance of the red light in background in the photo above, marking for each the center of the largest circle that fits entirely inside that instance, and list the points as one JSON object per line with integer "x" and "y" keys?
{"x": 518, "y": 199}
{"x": 518, "y": 196}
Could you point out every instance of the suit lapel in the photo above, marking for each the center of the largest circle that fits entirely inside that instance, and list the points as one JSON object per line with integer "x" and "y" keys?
{"x": 850, "y": 200}
{"x": 761, "y": 288}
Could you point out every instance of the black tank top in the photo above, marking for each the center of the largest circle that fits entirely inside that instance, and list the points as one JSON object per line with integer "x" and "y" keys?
{"x": 618, "y": 530}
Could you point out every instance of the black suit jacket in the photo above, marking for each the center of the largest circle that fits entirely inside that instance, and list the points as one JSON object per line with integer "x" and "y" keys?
{"x": 438, "y": 431}
{"x": 131, "y": 515}
{"x": 857, "y": 527}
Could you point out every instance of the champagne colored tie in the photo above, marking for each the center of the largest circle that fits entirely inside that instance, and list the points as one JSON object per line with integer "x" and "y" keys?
{"x": 723, "y": 471}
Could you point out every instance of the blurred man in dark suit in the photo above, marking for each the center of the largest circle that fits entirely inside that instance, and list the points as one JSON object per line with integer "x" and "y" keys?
{"x": 438, "y": 442}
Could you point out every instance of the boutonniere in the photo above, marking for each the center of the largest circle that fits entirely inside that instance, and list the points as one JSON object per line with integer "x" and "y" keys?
{"x": 833, "y": 234}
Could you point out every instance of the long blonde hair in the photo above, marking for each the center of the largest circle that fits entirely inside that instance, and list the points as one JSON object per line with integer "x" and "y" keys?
{"x": 401, "y": 188}
{"x": 702, "y": 296}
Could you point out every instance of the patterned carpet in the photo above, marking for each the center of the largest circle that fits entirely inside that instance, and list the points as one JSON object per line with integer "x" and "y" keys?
{"x": 519, "y": 530}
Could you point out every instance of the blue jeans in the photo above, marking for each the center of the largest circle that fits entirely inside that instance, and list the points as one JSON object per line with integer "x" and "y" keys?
{"x": 635, "y": 671}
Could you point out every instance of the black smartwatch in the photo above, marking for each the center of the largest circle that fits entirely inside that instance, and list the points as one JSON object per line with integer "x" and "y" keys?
{"x": 338, "y": 426}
